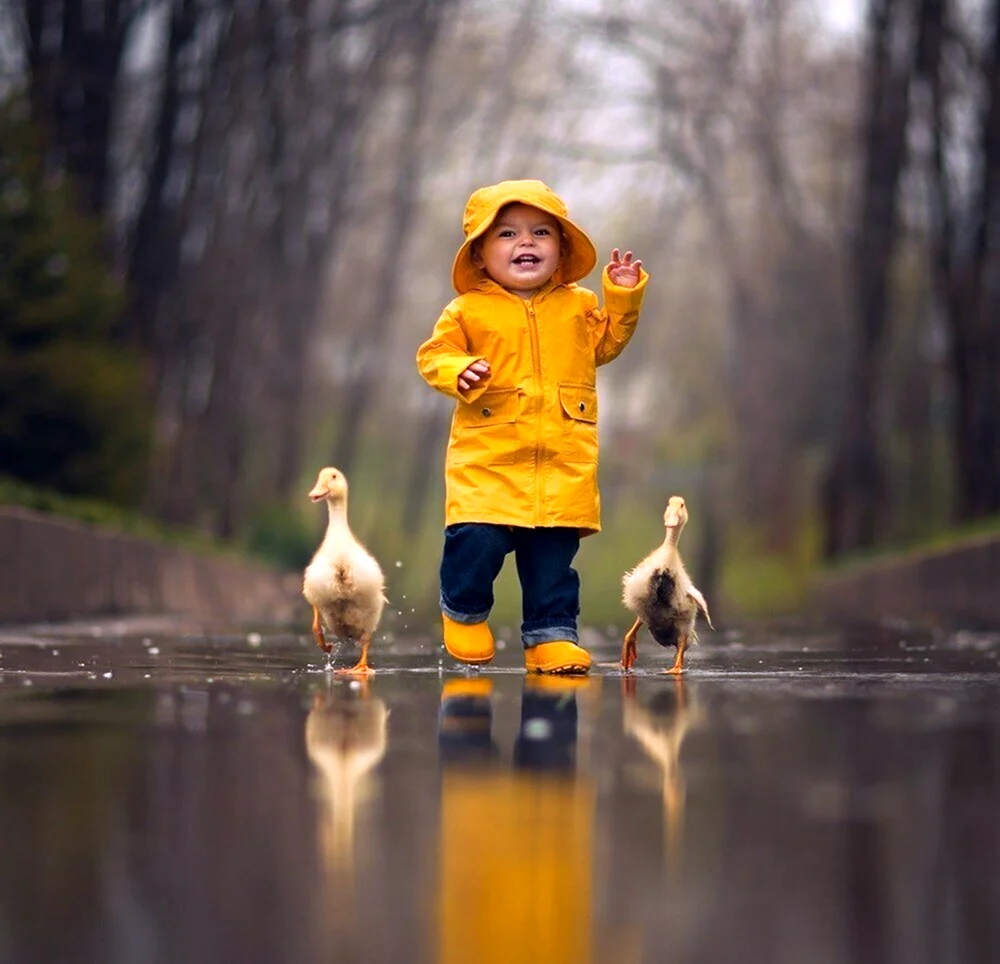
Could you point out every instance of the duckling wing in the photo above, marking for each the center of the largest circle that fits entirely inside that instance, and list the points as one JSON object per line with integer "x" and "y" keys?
{"x": 696, "y": 595}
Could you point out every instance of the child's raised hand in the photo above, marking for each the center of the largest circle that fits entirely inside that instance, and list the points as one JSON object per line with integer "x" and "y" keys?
{"x": 476, "y": 372}
{"x": 623, "y": 271}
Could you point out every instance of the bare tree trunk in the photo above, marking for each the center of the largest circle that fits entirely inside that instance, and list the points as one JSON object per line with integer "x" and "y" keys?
{"x": 72, "y": 87}
{"x": 373, "y": 330}
{"x": 975, "y": 319}
{"x": 152, "y": 259}
{"x": 855, "y": 487}
{"x": 426, "y": 465}
{"x": 965, "y": 275}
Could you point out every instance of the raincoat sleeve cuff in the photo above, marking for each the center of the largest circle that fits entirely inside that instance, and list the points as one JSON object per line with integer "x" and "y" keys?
{"x": 442, "y": 373}
{"x": 454, "y": 367}
{"x": 623, "y": 301}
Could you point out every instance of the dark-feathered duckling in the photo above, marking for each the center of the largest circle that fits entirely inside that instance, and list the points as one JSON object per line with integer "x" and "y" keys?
{"x": 661, "y": 594}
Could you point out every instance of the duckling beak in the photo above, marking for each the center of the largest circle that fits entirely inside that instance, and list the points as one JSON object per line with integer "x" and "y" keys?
{"x": 672, "y": 518}
{"x": 319, "y": 492}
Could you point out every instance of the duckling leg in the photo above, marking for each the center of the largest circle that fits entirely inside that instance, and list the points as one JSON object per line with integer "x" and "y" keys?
{"x": 361, "y": 667}
{"x": 317, "y": 629}
{"x": 678, "y": 667}
{"x": 628, "y": 646}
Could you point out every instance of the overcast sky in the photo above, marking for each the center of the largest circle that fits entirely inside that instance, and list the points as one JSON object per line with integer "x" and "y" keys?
{"x": 844, "y": 14}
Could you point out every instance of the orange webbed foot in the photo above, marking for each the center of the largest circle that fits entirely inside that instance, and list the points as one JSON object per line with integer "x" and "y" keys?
{"x": 629, "y": 654}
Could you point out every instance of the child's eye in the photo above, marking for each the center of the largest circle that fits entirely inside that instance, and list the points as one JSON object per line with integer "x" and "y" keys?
{"x": 544, "y": 231}
{"x": 505, "y": 233}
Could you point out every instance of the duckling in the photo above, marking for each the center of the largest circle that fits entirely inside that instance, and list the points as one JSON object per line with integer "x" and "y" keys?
{"x": 661, "y": 594}
{"x": 343, "y": 583}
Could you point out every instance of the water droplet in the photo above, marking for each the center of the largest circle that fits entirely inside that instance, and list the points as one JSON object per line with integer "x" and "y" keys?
{"x": 254, "y": 639}
{"x": 355, "y": 684}
{"x": 399, "y": 563}
{"x": 537, "y": 729}
{"x": 154, "y": 650}
{"x": 108, "y": 675}
{"x": 55, "y": 652}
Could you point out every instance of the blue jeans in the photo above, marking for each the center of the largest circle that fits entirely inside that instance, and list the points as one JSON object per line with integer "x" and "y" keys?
{"x": 474, "y": 554}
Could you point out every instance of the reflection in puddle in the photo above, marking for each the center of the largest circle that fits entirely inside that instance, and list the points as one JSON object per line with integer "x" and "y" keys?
{"x": 660, "y": 729}
{"x": 516, "y": 842}
{"x": 345, "y": 740}
{"x": 211, "y": 804}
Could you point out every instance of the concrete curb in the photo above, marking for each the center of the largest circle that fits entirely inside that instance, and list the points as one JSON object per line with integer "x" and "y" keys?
{"x": 956, "y": 585}
{"x": 56, "y": 568}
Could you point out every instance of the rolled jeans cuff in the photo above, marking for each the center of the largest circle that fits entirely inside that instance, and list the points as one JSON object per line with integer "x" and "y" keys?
{"x": 549, "y": 634}
{"x": 470, "y": 619}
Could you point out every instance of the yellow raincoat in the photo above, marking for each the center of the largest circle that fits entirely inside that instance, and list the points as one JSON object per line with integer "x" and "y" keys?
{"x": 523, "y": 445}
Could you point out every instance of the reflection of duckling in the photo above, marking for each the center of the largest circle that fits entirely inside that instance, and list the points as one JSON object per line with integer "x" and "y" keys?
{"x": 660, "y": 730}
{"x": 345, "y": 739}
{"x": 661, "y": 594}
{"x": 343, "y": 583}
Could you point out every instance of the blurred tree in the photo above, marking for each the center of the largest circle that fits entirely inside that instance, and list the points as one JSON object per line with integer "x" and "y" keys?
{"x": 245, "y": 122}
{"x": 72, "y": 415}
{"x": 855, "y": 493}
{"x": 964, "y": 228}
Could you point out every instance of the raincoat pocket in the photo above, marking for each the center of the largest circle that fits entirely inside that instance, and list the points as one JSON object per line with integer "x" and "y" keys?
{"x": 579, "y": 405}
{"x": 485, "y": 431}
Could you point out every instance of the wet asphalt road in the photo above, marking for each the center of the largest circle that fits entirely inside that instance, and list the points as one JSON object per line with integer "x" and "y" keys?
{"x": 801, "y": 795}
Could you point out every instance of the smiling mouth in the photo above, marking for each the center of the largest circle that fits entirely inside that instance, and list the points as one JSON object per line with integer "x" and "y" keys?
{"x": 527, "y": 259}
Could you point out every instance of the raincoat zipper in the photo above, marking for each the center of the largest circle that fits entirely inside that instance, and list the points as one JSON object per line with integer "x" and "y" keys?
{"x": 536, "y": 365}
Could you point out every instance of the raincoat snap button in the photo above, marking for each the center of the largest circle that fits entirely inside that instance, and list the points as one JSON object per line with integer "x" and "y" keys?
{"x": 583, "y": 407}
{"x": 486, "y": 411}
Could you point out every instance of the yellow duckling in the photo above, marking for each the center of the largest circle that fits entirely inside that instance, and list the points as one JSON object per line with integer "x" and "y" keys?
{"x": 661, "y": 594}
{"x": 343, "y": 583}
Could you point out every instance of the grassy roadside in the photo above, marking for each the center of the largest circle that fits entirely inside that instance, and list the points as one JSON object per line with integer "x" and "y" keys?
{"x": 130, "y": 522}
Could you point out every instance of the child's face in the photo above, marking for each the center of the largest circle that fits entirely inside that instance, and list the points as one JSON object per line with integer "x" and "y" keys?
{"x": 521, "y": 249}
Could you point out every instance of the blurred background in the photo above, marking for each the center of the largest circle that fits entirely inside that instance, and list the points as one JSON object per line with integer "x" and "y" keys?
{"x": 226, "y": 226}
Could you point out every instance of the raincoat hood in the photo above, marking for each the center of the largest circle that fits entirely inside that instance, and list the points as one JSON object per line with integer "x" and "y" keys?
{"x": 483, "y": 207}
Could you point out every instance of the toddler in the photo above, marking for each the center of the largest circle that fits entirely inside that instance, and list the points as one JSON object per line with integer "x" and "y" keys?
{"x": 518, "y": 349}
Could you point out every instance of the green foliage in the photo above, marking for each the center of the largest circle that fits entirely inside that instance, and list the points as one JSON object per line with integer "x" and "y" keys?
{"x": 758, "y": 583}
{"x": 72, "y": 411}
{"x": 279, "y": 535}
{"x": 19, "y": 493}
{"x": 942, "y": 539}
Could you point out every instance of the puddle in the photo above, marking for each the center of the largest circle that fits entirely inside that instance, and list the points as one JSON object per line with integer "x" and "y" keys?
{"x": 807, "y": 795}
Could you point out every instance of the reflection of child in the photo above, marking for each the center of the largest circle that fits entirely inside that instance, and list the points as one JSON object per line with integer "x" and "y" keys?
{"x": 515, "y": 865}
{"x": 518, "y": 348}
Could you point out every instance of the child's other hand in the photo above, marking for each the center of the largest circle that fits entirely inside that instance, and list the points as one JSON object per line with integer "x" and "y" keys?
{"x": 478, "y": 371}
{"x": 623, "y": 271}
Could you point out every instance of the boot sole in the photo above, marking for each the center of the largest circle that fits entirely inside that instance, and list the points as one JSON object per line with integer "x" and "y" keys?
{"x": 471, "y": 660}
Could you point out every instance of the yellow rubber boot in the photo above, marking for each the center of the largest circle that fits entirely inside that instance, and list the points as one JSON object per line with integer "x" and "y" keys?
{"x": 559, "y": 656}
{"x": 468, "y": 642}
